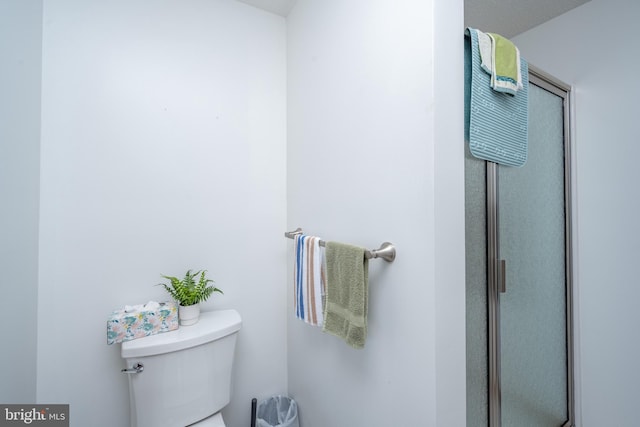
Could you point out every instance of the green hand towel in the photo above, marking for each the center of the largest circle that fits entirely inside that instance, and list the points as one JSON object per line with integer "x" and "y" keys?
{"x": 345, "y": 311}
{"x": 506, "y": 62}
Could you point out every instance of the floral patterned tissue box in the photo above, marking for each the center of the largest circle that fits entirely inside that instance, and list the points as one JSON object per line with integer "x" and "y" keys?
{"x": 141, "y": 321}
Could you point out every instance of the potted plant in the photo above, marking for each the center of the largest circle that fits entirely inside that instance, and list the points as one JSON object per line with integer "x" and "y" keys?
{"x": 189, "y": 292}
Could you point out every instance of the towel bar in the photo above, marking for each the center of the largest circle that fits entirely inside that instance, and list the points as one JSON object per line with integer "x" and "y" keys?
{"x": 386, "y": 251}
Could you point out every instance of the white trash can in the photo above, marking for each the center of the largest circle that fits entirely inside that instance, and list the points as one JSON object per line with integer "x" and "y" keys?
{"x": 277, "y": 411}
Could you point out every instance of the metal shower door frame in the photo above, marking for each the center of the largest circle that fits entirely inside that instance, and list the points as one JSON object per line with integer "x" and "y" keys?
{"x": 496, "y": 266}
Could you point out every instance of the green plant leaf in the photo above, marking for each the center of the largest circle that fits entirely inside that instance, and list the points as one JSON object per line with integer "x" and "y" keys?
{"x": 191, "y": 289}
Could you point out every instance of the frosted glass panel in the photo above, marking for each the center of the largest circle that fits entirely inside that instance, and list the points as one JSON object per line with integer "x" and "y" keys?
{"x": 532, "y": 241}
{"x": 476, "y": 271}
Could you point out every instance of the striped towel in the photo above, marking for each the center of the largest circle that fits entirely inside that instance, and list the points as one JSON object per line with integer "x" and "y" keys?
{"x": 308, "y": 279}
{"x": 495, "y": 122}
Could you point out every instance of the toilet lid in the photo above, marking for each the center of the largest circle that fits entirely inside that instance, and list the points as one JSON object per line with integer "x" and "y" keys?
{"x": 214, "y": 420}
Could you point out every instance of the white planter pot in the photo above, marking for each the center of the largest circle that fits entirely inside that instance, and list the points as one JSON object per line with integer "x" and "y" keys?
{"x": 189, "y": 315}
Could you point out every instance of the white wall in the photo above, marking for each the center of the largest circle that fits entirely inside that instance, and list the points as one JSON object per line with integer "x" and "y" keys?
{"x": 449, "y": 212}
{"x": 367, "y": 163}
{"x": 163, "y": 149}
{"x": 594, "y": 48}
{"x": 20, "y": 50}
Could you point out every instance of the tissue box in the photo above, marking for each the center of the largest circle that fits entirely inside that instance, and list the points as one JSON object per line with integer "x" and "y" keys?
{"x": 125, "y": 326}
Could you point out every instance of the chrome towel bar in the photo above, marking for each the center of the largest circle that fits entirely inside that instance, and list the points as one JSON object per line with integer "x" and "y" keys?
{"x": 386, "y": 251}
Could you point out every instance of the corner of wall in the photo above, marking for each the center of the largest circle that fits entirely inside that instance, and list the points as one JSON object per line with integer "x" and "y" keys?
{"x": 449, "y": 227}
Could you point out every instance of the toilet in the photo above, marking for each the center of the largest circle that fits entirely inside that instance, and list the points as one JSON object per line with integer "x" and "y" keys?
{"x": 183, "y": 377}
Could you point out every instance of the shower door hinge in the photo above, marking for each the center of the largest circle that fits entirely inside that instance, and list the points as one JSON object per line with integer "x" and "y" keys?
{"x": 502, "y": 276}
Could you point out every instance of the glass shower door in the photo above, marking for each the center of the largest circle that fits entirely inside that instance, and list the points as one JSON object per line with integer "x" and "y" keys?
{"x": 518, "y": 265}
{"x": 533, "y": 279}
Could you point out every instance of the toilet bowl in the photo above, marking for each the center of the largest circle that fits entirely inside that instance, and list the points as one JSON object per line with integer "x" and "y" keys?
{"x": 183, "y": 377}
{"x": 213, "y": 421}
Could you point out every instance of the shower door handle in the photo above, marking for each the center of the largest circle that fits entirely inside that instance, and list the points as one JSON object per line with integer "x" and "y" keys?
{"x": 502, "y": 276}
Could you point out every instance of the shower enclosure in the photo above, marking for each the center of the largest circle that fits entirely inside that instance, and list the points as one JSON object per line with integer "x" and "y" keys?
{"x": 519, "y": 281}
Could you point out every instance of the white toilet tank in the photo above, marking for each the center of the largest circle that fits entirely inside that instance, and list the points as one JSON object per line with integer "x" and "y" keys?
{"x": 186, "y": 374}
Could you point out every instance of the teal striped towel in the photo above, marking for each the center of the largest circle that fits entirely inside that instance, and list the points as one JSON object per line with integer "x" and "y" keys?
{"x": 496, "y": 123}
